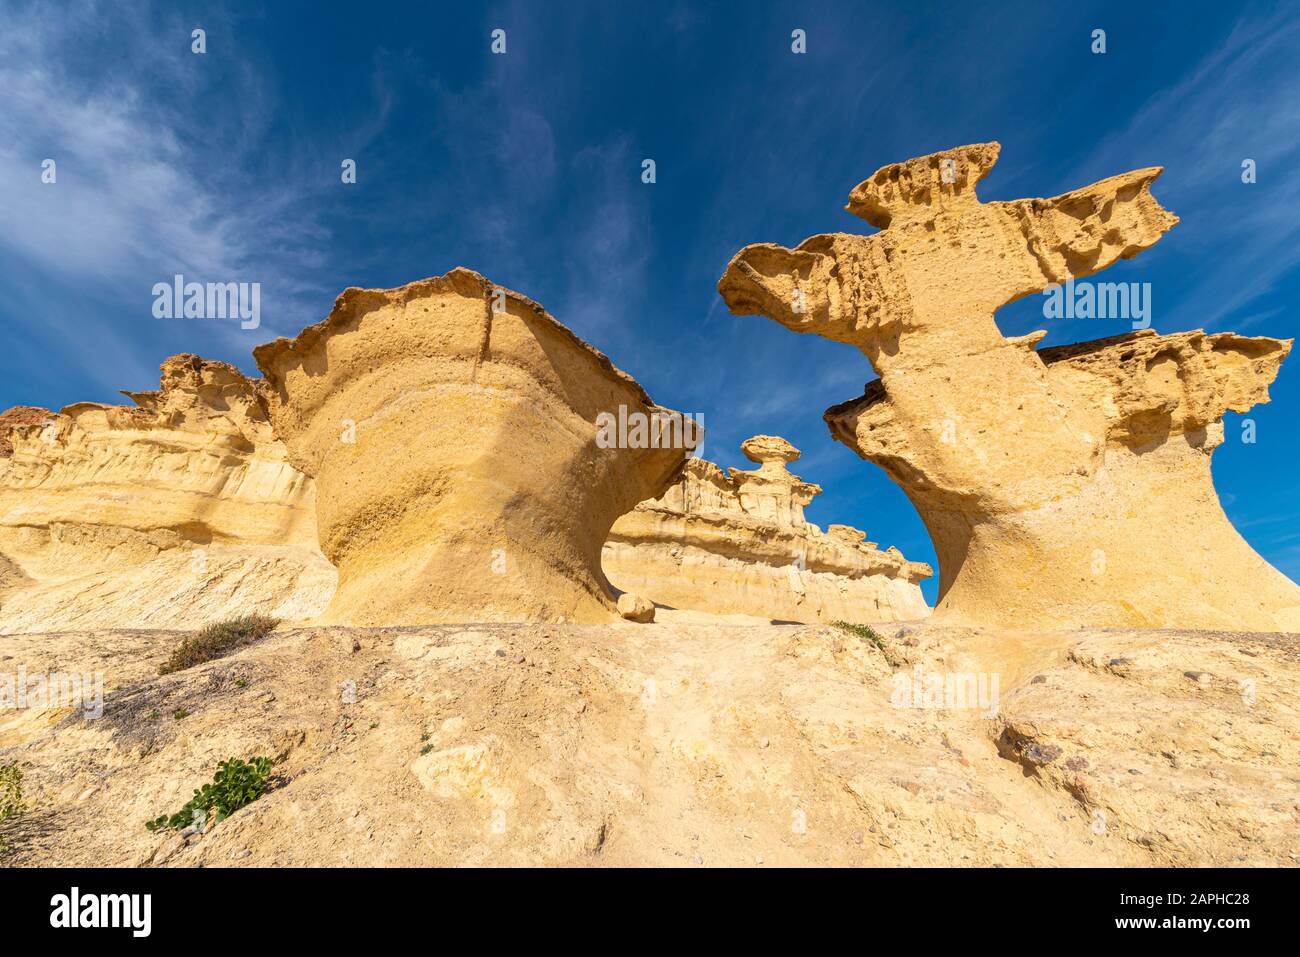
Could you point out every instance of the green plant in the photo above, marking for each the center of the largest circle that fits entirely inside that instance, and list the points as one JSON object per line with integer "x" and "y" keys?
{"x": 152, "y": 714}
{"x": 11, "y": 795}
{"x": 235, "y": 784}
{"x": 865, "y": 632}
{"x": 180, "y": 713}
{"x": 426, "y": 749}
{"x": 241, "y": 683}
{"x": 11, "y": 790}
{"x": 217, "y": 639}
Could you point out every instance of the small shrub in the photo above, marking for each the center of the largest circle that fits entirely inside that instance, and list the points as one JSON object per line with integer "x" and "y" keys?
{"x": 241, "y": 683}
{"x": 180, "y": 713}
{"x": 217, "y": 639}
{"x": 236, "y": 784}
{"x": 11, "y": 796}
{"x": 865, "y": 632}
{"x": 11, "y": 790}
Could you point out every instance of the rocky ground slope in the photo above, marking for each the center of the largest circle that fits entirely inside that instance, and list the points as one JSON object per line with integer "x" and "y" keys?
{"x": 672, "y": 744}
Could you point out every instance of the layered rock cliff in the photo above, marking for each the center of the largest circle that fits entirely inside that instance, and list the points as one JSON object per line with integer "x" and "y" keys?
{"x": 736, "y": 542}
{"x": 1069, "y": 486}
{"x": 452, "y": 428}
{"x": 170, "y": 513}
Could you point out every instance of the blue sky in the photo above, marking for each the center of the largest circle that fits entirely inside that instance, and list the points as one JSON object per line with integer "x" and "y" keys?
{"x": 225, "y": 167}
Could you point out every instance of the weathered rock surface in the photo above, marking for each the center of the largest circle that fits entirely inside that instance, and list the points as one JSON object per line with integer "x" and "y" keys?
{"x": 1183, "y": 743}
{"x": 179, "y": 510}
{"x": 737, "y": 542}
{"x": 635, "y": 608}
{"x": 451, "y": 428}
{"x": 703, "y": 745}
{"x": 1063, "y": 487}
{"x": 20, "y": 415}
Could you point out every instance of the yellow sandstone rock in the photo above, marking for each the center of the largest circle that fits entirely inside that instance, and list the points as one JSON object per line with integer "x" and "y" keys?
{"x": 738, "y": 543}
{"x": 452, "y": 429}
{"x": 635, "y": 608}
{"x": 1064, "y": 487}
{"x": 707, "y": 744}
{"x": 169, "y": 514}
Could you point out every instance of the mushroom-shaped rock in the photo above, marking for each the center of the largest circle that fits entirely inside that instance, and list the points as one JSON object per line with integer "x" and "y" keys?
{"x": 456, "y": 433}
{"x": 736, "y": 542}
{"x": 771, "y": 492}
{"x": 1062, "y": 487}
{"x": 765, "y": 449}
{"x": 172, "y": 512}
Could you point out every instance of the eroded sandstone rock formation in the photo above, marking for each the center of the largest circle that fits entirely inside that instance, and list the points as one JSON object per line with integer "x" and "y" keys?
{"x": 170, "y": 513}
{"x": 1065, "y": 486}
{"x": 451, "y": 428}
{"x": 736, "y": 542}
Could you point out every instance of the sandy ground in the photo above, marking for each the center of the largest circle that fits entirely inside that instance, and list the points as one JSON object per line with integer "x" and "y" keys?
{"x": 689, "y": 742}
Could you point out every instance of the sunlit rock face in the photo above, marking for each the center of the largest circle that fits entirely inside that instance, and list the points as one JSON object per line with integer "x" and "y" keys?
{"x": 1063, "y": 486}
{"x": 456, "y": 434}
{"x": 173, "y": 512}
{"x": 737, "y": 542}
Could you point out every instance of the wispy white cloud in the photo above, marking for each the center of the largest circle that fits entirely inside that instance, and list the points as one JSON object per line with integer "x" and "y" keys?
{"x": 1239, "y": 102}
{"x": 146, "y": 187}
{"x": 607, "y": 255}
